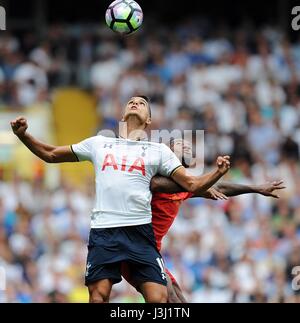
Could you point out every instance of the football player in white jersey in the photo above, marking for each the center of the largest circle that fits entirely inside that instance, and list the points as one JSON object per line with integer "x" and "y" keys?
{"x": 121, "y": 229}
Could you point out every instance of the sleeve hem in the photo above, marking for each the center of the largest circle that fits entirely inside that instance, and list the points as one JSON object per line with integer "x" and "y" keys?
{"x": 74, "y": 153}
{"x": 175, "y": 170}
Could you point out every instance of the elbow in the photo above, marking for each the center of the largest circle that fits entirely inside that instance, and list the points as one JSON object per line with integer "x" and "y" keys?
{"x": 50, "y": 159}
{"x": 192, "y": 186}
{"x": 195, "y": 187}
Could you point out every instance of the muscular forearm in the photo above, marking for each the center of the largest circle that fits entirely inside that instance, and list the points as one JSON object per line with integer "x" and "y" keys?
{"x": 198, "y": 184}
{"x": 203, "y": 183}
{"x": 41, "y": 150}
{"x": 231, "y": 189}
{"x": 47, "y": 153}
{"x": 166, "y": 185}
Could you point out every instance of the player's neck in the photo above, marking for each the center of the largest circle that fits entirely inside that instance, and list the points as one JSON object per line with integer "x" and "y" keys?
{"x": 133, "y": 129}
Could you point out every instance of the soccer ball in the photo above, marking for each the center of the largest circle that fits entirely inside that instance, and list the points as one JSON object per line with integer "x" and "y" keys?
{"x": 124, "y": 16}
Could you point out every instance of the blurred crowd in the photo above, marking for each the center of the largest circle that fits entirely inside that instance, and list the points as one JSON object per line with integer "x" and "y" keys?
{"x": 241, "y": 86}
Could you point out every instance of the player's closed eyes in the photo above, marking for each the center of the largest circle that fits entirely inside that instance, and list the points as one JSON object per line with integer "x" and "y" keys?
{"x": 142, "y": 103}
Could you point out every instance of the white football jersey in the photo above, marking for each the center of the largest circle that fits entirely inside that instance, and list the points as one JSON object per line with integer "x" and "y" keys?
{"x": 124, "y": 169}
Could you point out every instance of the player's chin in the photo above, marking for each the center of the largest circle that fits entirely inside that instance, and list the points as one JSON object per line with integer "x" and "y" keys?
{"x": 135, "y": 114}
{"x": 188, "y": 161}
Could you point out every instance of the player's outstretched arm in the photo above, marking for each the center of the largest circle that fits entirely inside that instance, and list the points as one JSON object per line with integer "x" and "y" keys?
{"x": 200, "y": 184}
{"x": 47, "y": 153}
{"x": 220, "y": 191}
{"x": 231, "y": 189}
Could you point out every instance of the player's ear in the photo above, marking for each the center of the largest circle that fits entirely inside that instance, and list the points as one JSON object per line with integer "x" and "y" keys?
{"x": 148, "y": 122}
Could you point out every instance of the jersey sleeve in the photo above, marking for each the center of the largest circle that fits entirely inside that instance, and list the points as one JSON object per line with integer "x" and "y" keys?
{"x": 84, "y": 150}
{"x": 169, "y": 162}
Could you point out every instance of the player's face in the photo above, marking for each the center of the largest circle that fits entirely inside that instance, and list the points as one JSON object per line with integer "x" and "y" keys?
{"x": 183, "y": 150}
{"x": 139, "y": 108}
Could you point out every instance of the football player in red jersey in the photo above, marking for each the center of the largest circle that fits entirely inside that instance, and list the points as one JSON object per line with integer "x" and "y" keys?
{"x": 168, "y": 197}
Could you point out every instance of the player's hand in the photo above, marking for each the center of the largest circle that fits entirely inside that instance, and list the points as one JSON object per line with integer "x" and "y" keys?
{"x": 223, "y": 164}
{"x": 214, "y": 194}
{"x": 19, "y": 126}
{"x": 269, "y": 188}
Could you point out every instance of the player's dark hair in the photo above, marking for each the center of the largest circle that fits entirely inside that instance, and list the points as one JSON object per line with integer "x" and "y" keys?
{"x": 172, "y": 142}
{"x": 147, "y": 99}
{"x": 171, "y": 145}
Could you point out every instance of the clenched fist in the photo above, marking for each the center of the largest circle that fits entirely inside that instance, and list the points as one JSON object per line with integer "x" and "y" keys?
{"x": 19, "y": 126}
{"x": 223, "y": 164}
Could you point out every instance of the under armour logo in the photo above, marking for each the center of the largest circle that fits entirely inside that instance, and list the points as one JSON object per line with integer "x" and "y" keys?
{"x": 108, "y": 146}
{"x": 162, "y": 268}
{"x": 144, "y": 150}
{"x": 88, "y": 266}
